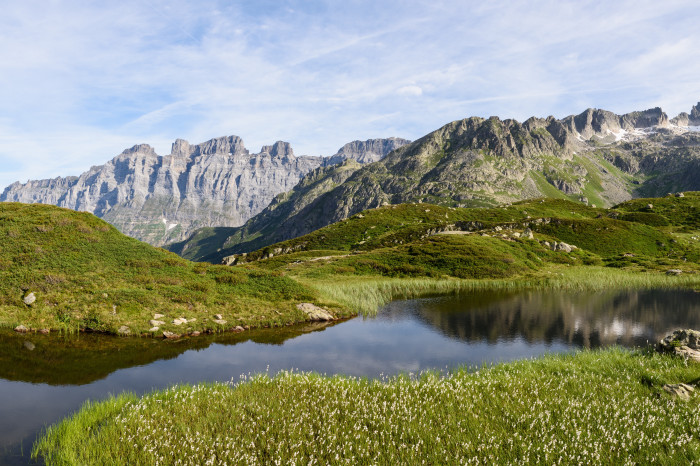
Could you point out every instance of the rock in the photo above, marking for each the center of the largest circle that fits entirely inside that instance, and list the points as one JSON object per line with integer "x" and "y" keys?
{"x": 170, "y": 335}
{"x": 680, "y": 390}
{"x": 123, "y": 330}
{"x": 29, "y": 345}
{"x": 497, "y": 228}
{"x": 220, "y": 321}
{"x": 360, "y": 216}
{"x": 527, "y": 234}
{"x": 650, "y": 206}
{"x": 191, "y": 320}
{"x": 155, "y": 323}
{"x": 158, "y": 316}
{"x": 680, "y": 195}
{"x": 29, "y": 299}
{"x": 218, "y": 316}
{"x": 674, "y": 272}
{"x": 238, "y": 328}
{"x": 21, "y": 329}
{"x": 315, "y": 313}
{"x": 179, "y": 321}
{"x": 562, "y": 247}
{"x": 153, "y": 329}
{"x": 685, "y": 343}
{"x": 515, "y": 234}
{"x": 45, "y": 331}
{"x": 195, "y": 334}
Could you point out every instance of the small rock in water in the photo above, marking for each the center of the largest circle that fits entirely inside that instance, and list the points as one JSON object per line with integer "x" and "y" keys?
{"x": 239, "y": 328}
{"x": 29, "y": 345}
{"x": 681, "y": 390}
{"x": 170, "y": 335}
{"x": 195, "y": 334}
{"x": 218, "y": 316}
{"x": 21, "y": 329}
{"x": 45, "y": 331}
{"x": 123, "y": 330}
{"x": 158, "y": 316}
{"x": 29, "y": 299}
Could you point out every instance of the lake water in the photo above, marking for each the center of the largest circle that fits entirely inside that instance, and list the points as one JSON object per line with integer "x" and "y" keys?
{"x": 44, "y": 378}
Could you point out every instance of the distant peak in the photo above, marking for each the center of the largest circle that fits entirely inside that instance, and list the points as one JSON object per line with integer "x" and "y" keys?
{"x": 279, "y": 149}
{"x": 140, "y": 149}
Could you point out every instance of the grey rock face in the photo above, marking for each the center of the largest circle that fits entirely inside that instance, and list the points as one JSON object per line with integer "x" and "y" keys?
{"x": 371, "y": 150}
{"x": 161, "y": 199}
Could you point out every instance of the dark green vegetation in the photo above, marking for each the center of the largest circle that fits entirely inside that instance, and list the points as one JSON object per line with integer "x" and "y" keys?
{"x": 86, "y": 275}
{"x": 589, "y": 408}
{"x": 479, "y": 162}
{"x": 422, "y": 240}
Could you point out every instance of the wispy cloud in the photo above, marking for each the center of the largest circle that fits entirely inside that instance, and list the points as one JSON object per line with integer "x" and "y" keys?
{"x": 80, "y": 81}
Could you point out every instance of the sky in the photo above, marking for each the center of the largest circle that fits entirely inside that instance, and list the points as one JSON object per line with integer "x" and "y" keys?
{"x": 80, "y": 81}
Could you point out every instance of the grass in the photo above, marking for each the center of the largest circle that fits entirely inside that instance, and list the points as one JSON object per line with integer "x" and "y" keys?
{"x": 590, "y": 407}
{"x": 86, "y": 275}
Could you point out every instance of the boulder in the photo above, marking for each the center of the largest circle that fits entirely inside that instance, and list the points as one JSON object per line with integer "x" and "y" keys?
{"x": 527, "y": 234}
{"x": 674, "y": 272}
{"x": 218, "y": 316}
{"x": 29, "y": 299}
{"x": 170, "y": 335}
{"x": 45, "y": 331}
{"x": 684, "y": 343}
{"x": 680, "y": 390}
{"x": 195, "y": 334}
{"x": 21, "y": 329}
{"x": 315, "y": 313}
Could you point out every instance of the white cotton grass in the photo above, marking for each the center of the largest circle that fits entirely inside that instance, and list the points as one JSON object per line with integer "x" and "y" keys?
{"x": 592, "y": 407}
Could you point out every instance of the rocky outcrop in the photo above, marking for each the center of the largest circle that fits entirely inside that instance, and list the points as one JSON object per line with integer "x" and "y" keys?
{"x": 685, "y": 343}
{"x": 161, "y": 199}
{"x": 371, "y": 150}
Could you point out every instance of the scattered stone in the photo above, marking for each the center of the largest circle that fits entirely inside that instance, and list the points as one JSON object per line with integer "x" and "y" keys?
{"x": 680, "y": 390}
{"x": 45, "y": 331}
{"x": 680, "y": 195}
{"x": 497, "y": 228}
{"x": 29, "y": 299}
{"x": 170, "y": 335}
{"x": 195, "y": 334}
{"x": 29, "y": 345}
{"x": 315, "y": 313}
{"x": 650, "y": 206}
{"x": 158, "y": 316}
{"x": 123, "y": 330}
{"x": 629, "y": 254}
{"x": 191, "y": 320}
{"x": 218, "y": 316}
{"x": 179, "y": 321}
{"x": 155, "y": 323}
{"x": 684, "y": 343}
{"x": 238, "y": 328}
{"x": 527, "y": 234}
{"x": 220, "y": 321}
{"x": 674, "y": 272}
{"x": 360, "y": 216}
{"x": 105, "y": 295}
{"x": 154, "y": 329}
{"x": 114, "y": 309}
{"x": 516, "y": 234}
{"x": 21, "y": 329}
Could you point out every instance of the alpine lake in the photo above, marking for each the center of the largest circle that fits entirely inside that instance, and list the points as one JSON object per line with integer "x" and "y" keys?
{"x": 44, "y": 378}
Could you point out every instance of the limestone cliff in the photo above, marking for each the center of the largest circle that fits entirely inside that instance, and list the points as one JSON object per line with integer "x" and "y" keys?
{"x": 161, "y": 199}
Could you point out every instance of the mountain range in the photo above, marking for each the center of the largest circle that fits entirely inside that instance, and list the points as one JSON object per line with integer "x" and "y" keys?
{"x": 161, "y": 199}
{"x": 596, "y": 157}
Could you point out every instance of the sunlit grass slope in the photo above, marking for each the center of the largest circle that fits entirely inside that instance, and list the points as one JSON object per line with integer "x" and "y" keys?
{"x": 84, "y": 274}
{"x": 601, "y": 407}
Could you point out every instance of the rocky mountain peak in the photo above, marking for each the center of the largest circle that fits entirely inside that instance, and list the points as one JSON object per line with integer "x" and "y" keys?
{"x": 644, "y": 119}
{"x": 279, "y": 149}
{"x": 231, "y": 145}
{"x": 695, "y": 115}
{"x": 141, "y": 149}
{"x": 367, "y": 151}
{"x": 181, "y": 148}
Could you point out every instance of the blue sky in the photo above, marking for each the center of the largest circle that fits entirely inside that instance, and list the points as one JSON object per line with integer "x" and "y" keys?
{"x": 80, "y": 80}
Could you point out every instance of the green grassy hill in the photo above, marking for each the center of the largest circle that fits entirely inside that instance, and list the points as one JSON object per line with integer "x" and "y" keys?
{"x": 84, "y": 274}
{"x": 423, "y": 240}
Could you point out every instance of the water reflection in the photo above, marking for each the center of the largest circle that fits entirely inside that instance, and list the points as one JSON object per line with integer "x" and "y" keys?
{"x": 44, "y": 378}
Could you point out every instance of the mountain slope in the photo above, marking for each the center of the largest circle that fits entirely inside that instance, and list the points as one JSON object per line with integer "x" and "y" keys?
{"x": 595, "y": 157}
{"x": 161, "y": 199}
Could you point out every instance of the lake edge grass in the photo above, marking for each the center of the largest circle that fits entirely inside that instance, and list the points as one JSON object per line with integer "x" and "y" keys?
{"x": 600, "y": 406}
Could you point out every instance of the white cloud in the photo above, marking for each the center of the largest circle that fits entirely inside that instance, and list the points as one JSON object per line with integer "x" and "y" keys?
{"x": 410, "y": 90}
{"x": 81, "y": 81}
